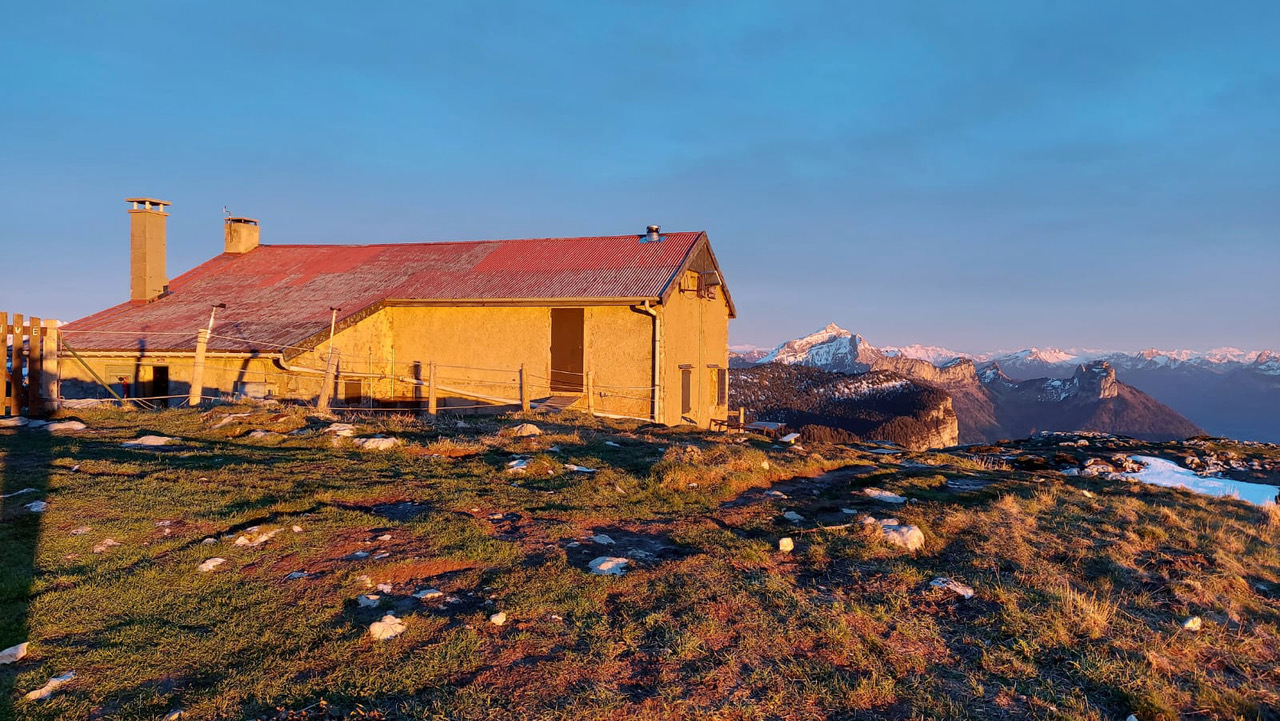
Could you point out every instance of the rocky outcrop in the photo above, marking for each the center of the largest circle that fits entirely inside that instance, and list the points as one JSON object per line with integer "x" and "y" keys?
{"x": 866, "y": 406}
{"x": 990, "y": 405}
{"x": 1091, "y": 399}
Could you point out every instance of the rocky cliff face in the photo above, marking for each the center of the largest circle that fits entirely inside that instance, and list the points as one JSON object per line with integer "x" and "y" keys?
{"x": 868, "y": 406}
{"x": 1091, "y": 399}
{"x": 988, "y": 404}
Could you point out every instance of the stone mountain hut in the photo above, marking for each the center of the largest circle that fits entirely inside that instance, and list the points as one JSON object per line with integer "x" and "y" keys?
{"x": 624, "y": 325}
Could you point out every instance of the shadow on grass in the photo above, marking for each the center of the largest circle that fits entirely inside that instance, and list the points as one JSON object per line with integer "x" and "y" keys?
{"x": 25, "y": 458}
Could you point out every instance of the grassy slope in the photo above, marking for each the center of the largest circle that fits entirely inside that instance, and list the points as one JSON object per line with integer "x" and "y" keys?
{"x": 1077, "y": 613}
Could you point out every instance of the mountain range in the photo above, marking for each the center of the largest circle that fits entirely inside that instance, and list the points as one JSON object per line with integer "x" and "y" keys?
{"x": 992, "y": 402}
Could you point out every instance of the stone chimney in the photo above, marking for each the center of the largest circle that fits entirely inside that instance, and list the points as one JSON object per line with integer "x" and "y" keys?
{"x": 147, "y": 277}
{"x": 242, "y": 235}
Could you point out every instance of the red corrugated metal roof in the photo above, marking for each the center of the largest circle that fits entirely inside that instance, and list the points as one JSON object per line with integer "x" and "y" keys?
{"x": 280, "y": 295}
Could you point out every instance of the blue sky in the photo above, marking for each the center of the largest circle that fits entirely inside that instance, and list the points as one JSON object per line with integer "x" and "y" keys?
{"x": 975, "y": 175}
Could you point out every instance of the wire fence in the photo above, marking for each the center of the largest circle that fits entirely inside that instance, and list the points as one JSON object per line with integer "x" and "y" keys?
{"x": 362, "y": 381}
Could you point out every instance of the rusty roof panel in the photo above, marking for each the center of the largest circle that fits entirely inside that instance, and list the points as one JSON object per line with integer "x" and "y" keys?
{"x": 281, "y": 295}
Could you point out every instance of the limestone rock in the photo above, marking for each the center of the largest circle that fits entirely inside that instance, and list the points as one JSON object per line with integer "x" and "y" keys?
{"x": 368, "y": 600}
{"x": 609, "y": 566}
{"x": 211, "y": 564}
{"x": 104, "y": 545}
{"x": 1194, "y": 623}
{"x": 793, "y": 516}
{"x": 905, "y": 536}
{"x": 525, "y": 430}
{"x": 952, "y": 585}
{"x": 377, "y": 443}
{"x": 48, "y": 689}
{"x": 786, "y": 545}
{"x": 13, "y": 654}
{"x": 149, "y": 441}
{"x": 498, "y": 618}
{"x": 345, "y": 430}
{"x": 428, "y": 594}
{"x": 388, "y": 627}
{"x": 880, "y": 494}
{"x": 57, "y": 426}
{"x": 14, "y": 422}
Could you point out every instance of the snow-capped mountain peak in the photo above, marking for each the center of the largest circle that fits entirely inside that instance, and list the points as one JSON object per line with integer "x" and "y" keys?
{"x": 832, "y": 347}
{"x": 932, "y": 353}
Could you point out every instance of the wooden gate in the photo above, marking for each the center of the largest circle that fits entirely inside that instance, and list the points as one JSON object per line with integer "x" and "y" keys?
{"x": 30, "y": 352}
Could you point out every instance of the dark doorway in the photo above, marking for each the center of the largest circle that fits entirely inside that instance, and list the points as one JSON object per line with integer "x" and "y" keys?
{"x": 352, "y": 391}
{"x": 567, "y": 366}
{"x": 160, "y": 385}
{"x": 686, "y": 390}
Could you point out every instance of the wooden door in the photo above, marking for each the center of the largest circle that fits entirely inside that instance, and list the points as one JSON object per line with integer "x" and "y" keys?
{"x": 567, "y": 362}
{"x": 160, "y": 385}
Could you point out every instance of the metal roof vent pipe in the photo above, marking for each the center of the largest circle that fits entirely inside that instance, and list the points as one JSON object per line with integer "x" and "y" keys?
{"x": 652, "y": 234}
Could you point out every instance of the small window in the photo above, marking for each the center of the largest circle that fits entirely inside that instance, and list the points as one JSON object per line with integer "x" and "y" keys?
{"x": 690, "y": 281}
{"x": 686, "y": 390}
{"x": 722, "y": 387}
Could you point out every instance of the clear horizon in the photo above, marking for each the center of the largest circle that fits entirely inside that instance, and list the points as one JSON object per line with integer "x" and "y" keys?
{"x": 1001, "y": 176}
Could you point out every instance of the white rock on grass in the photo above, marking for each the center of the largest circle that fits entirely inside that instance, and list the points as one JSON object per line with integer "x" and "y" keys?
{"x": 498, "y": 618}
{"x": 34, "y": 424}
{"x": 388, "y": 627}
{"x": 525, "y": 430}
{"x": 880, "y": 494}
{"x": 377, "y": 443}
{"x": 260, "y": 434}
{"x": 14, "y": 422}
{"x": 104, "y": 545}
{"x": 609, "y": 566}
{"x": 346, "y": 430}
{"x": 578, "y": 469}
{"x": 149, "y": 441}
{"x": 257, "y": 539}
{"x": 49, "y": 688}
{"x": 786, "y": 545}
{"x": 211, "y": 564}
{"x": 602, "y": 539}
{"x": 368, "y": 600}
{"x": 428, "y": 594}
{"x": 793, "y": 516}
{"x": 13, "y": 654}
{"x": 67, "y": 426}
{"x": 952, "y": 585}
{"x": 1194, "y": 623}
{"x": 906, "y": 536}
{"x": 228, "y": 419}
{"x": 18, "y": 493}
{"x": 36, "y": 506}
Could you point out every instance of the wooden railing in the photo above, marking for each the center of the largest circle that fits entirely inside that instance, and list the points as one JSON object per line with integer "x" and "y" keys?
{"x": 30, "y": 352}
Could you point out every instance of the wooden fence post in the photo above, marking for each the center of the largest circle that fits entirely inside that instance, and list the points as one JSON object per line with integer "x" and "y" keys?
{"x": 4, "y": 362}
{"x": 197, "y": 369}
{"x": 15, "y": 375}
{"x": 524, "y": 390}
{"x": 49, "y": 365}
{"x": 326, "y": 390}
{"x": 34, "y": 377}
{"x": 591, "y": 394}
{"x": 431, "y": 389}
